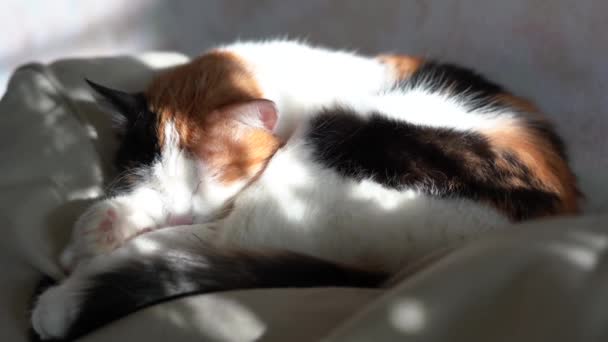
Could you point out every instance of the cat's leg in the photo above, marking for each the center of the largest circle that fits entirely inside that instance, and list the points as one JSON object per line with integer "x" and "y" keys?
{"x": 59, "y": 306}
{"x": 107, "y": 224}
{"x": 174, "y": 262}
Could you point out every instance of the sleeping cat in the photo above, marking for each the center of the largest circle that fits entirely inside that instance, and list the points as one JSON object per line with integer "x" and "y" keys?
{"x": 289, "y": 165}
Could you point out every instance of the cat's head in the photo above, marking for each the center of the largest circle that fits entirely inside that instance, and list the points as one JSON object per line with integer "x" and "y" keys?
{"x": 197, "y": 135}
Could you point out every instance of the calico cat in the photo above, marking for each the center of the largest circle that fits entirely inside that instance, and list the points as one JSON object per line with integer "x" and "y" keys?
{"x": 289, "y": 165}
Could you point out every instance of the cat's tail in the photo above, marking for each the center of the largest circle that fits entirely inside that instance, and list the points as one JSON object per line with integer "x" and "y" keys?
{"x": 134, "y": 282}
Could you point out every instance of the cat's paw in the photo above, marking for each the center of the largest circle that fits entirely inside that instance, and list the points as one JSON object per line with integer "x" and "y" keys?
{"x": 54, "y": 312}
{"x": 103, "y": 228}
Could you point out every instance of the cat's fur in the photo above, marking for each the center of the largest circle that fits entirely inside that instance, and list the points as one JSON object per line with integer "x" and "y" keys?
{"x": 300, "y": 166}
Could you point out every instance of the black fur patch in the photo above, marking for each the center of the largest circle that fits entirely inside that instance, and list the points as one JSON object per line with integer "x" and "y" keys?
{"x": 146, "y": 281}
{"x": 457, "y": 80}
{"x": 436, "y": 161}
{"x": 139, "y": 144}
{"x": 478, "y": 91}
{"x": 137, "y": 132}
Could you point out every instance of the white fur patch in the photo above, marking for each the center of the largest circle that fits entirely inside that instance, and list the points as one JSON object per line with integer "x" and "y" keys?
{"x": 298, "y": 205}
{"x": 299, "y": 78}
{"x": 426, "y": 108}
{"x": 56, "y": 309}
{"x": 187, "y": 186}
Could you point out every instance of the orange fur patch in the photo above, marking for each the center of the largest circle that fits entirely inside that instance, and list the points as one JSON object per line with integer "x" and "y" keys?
{"x": 238, "y": 151}
{"x": 520, "y": 104}
{"x": 191, "y": 97}
{"x": 186, "y": 94}
{"x": 403, "y": 65}
{"x": 542, "y": 160}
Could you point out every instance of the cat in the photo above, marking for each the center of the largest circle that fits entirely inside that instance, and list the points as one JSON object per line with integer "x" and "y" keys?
{"x": 283, "y": 164}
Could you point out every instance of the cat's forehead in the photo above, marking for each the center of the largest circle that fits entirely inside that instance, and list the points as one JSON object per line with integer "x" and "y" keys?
{"x": 185, "y": 95}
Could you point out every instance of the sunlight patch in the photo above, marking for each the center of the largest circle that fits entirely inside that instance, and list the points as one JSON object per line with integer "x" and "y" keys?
{"x": 408, "y": 316}
{"x": 382, "y": 197}
{"x": 146, "y": 246}
{"x": 585, "y": 258}
{"x": 217, "y": 318}
{"x": 85, "y": 193}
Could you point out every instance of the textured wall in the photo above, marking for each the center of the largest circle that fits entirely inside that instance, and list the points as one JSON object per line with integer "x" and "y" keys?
{"x": 553, "y": 51}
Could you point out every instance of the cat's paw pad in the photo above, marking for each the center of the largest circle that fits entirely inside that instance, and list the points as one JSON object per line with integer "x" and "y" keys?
{"x": 54, "y": 312}
{"x": 103, "y": 228}
{"x": 107, "y": 230}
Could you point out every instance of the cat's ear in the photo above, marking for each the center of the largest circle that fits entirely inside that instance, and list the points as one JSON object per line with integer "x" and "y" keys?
{"x": 259, "y": 113}
{"x": 126, "y": 105}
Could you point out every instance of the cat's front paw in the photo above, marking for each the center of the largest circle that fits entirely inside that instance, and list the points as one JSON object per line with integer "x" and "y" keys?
{"x": 103, "y": 228}
{"x": 54, "y": 312}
